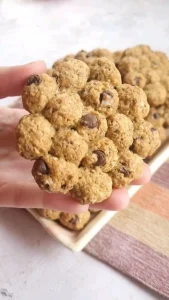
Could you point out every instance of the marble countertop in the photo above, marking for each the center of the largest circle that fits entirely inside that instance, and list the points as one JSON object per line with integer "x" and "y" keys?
{"x": 32, "y": 265}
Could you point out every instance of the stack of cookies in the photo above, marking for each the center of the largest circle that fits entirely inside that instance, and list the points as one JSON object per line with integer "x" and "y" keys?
{"x": 88, "y": 132}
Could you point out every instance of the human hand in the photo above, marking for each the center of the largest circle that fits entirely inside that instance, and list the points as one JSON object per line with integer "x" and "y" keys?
{"x": 17, "y": 186}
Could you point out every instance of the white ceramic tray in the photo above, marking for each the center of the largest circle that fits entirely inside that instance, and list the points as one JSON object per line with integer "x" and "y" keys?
{"x": 76, "y": 241}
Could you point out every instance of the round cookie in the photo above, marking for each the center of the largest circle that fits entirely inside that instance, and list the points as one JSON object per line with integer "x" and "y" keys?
{"x": 85, "y": 56}
{"x": 128, "y": 64}
{"x": 68, "y": 144}
{"x": 135, "y": 78}
{"x": 55, "y": 175}
{"x": 146, "y": 139}
{"x": 120, "y": 131}
{"x": 64, "y": 109}
{"x": 137, "y": 51}
{"x": 101, "y": 52}
{"x": 39, "y": 89}
{"x": 132, "y": 101}
{"x": 92, "y": 187}
{"x": 102, "y": 69}
{"x": 50, "y": 214}
{"x": 101, "y": 96}
{"x": 66, "y": 58}
{"x": 74, "y": 221}
{"x": 156, "y": 94}
{"x": 144, "y": 62}
{"x": 128, "y": 168}
{"x": 156, "y": 116}
{"x": 71, "y": 74}
{"x": 34, "y": 136}
{"x": 151, "y": 76}
{"x": 102, "y": 153}
{"x": 92, "y": 125}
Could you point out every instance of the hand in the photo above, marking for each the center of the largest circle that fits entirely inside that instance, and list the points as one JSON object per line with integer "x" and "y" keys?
{"x": 17, "y": 186}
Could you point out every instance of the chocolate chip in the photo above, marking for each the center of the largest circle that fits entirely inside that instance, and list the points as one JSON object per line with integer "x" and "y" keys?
{"x": 101, "y": 159}
{"x": 34, "y": 79}
{"x": 146, "y": 160}
{"x": 153, "y": 129}
{"x": 131, "y": 148}
{"x": 137, "y": 81}
{"x": 89, "y": 121}
{"x": 41, "y": 167}
{"x": 47, "y": 187}
{"x": 63, "y": 186}
{"x": 106, "y": 98}
{"x": 74, "y": 220}
{"x": 156, "y": 115}
{"x": 124, "y": 171}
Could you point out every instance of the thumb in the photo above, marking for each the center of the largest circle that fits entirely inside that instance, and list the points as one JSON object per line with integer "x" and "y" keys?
{"x": 12, "y": 79}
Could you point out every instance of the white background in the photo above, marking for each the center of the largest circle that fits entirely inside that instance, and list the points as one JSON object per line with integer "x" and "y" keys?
{"x": 32, "y": 265}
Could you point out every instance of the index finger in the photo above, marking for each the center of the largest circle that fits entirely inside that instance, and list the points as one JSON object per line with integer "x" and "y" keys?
{"x": 12, "y": 79}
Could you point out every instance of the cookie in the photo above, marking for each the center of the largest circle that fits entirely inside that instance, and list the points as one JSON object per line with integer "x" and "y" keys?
{"x": 50, "y": 214}
{"x": 93, "y": 186}
{"x": 137, "y": 51}
{"x": 71, "y": 74}
{"x": 101, "y": 52}
{"x": 68, "y": 144}
{"x": 102, "y": 154}
{"x": 66, "y": 58}
{"x": 74, "y": 221}
{"x": 34, "y": 136}
{"x": 65, "y": 109}
{"x": 88, "y": 122}
{"x": 102, "y": 69}
{"x": 128, "y": 168}
{"x": 146, "y": 139}
{"x": 101, "y": 96}
{"x": 156, "y": 94}
{"x": 132, "y": 101}
{"x": 153, "y": 69}
{"x": 150, "y": 75}
{"x": 55, "y": 175}
{"x": 85, "y": 57}
{"x": 156, "y": 116}
{"x": 120, "y": 131}
{"x": 92, "y": 125}
{"x": 128, "y": 64}
{"x": 39, "y": 89}
{"x": 135, "y": 78}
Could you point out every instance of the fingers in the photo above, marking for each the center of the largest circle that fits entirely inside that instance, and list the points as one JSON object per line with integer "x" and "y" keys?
{"x": 9, "y": 117}
{"x": 13, "y": 79}
{"x": 28, "y": 195}
{"x": 118, "y": 200}
{"x": 145, "y": 177}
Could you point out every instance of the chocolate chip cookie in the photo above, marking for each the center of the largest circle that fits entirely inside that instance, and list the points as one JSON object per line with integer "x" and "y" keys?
{"x": 81, "y": 125}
